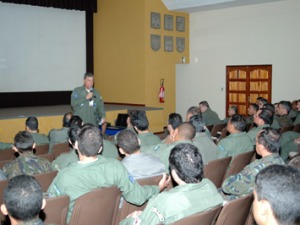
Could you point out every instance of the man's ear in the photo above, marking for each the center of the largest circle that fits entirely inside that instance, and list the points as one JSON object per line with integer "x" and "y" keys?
{"x": 15, "y": 148}
{"x": 43, "y": 204}
{"x": 139, "y": 142}
{"x": 121, "y": 151}
{"x": 4, "y": 209}
{"x": 76, "y": 145}
{"x": 100, "y": 149}
{"x": 33, "y": 146}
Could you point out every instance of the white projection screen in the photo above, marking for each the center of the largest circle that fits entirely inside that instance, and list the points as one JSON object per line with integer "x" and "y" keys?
{"x": 41, "y": 49}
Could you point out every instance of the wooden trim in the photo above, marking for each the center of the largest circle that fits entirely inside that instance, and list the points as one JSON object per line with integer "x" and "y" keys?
{"x": 120, "y": 103}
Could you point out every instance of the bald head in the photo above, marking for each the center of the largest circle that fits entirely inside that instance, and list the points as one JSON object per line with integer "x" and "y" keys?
{"x": 185, "y": 131}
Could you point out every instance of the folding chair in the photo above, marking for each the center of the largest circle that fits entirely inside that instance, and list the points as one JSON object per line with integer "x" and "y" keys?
{"x": 49, "y": 156}
{"x": 41, "y": 149}
{"x": 297, "y": 128}
{"x": 45, "y": 179}
{"x": 7, "y": 154}
{"x": 217, "y": 128}
{"x": 57, "y": 149}
{"x": 216, "y": 169}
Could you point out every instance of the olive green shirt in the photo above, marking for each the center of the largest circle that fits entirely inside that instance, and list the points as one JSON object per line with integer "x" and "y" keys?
{"x": 284, "y": 120}
{"x": 297, "y": 120}
{"x": 287, "y": 144}
{"x": 206, "y": 146}
{"x": 57, "y": 136}
{"x": 40, "y": 139}
{"x": 148, "y": 139}
{"x": 254, "y": 131}
{"x": 64, "y": 160}
{"x": 109, "y": 150}
{"x": 81, "y": 106}
{"x": 80, "y": 178}
{"x": 234, "y": 144}
{"x": 177, "y": 203}
{"x": 210, "y": 117}
{"x": 5, "y": 145}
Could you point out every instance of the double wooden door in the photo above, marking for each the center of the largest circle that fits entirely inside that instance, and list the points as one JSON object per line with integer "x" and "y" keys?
{"x": 245, "y": 83}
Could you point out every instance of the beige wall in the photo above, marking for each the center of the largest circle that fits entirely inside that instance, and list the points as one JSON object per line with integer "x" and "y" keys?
{"x": 127, "y": 70}
{"x": 258, "y": 34}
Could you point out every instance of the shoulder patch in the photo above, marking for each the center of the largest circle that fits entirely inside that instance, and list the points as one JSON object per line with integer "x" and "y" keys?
{"x": 221, "y": 148}
{"x": 75, "y": 95}
{"x": 158, "y": 213}
{"x": 156, "y": 147}
{"x": 131, "y": 179}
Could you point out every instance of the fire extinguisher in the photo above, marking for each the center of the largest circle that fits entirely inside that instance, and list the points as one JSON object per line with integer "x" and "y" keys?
{"x": 161, "y": 91}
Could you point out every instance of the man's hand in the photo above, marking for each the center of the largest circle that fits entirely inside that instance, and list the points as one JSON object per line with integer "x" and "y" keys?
{"x": 164, "y": 182}
{"x": 135, "y": 214}
{"x": 89, "y": 95}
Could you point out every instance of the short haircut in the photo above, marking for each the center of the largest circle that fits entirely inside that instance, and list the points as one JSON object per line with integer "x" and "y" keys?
{"x": 270, "y": 138}
{"x": 266, "y": 115}
{"x": 66, "y": 119}
{"x": 128, "y": 141}
{"x": 279, "y": 185}
{"x": 198, "y": 123}
{"x": 262, "y": 100}
{"x": 90, "y": 141}
{"x": 174, "y": 120}
{"x": 76, "y": 120}
{"x": 88, "y": 74}
{"x": 139, "y": 120}
{"x": 32, "y": 123}
{"x": 186, "y": 160}
{"x": 295, "y": 161}
{"x": 254, "y": 106}
{"x": 194, "y": 110}
{"x": 23, "y": 141}
{"x": 204, "y": 103}
{"x": 23, "y": 198}
{"x": 234, "y": 108}
{"x": 269, "y": 106}
{"x": 286, "y": 105}
{"x": 73, "y": 133}
{"x": 187, "y": 130}
{"x": 238, "y": 122}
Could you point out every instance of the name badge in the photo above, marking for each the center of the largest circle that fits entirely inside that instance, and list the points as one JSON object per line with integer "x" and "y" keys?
{"x": 91, "y": 103}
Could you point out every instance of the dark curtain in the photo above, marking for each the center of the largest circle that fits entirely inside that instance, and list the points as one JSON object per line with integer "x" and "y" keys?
{"x": 83, "y": 5}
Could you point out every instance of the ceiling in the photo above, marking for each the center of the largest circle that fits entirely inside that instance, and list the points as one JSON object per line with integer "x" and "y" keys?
{"x": 191, "y": 6}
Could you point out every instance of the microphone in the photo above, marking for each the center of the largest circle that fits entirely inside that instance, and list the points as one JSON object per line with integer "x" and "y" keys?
{"x": 91, "y": 90}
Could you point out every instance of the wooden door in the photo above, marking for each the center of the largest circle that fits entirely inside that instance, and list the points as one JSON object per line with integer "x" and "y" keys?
{"x": 245, "y": 83}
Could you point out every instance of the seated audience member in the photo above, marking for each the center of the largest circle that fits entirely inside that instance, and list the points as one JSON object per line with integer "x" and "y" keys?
{"x": 192, "y": 195}
{"x": 289, "y": 143}
{"x": 140, "y": 123}
{"x": 76, "y": 120}
{"x": 65, "y": 159}
{"x": 238, "y": 141}
{"x": 233, "y": 109}
{"x": 174, "y": 121}
{"x": 297, "y": 119}
{"x": 209, "y": 116}
{"x": 57, "y": 136}
{"x": 32, "y": 126}
{"x": 93, "y": 171}
{"x": 295, "y": 161}
{"x": 193, "y": 110}
{"x": 5, "y": 145}
{"x": 23, "y": 200}
{"x": 277, "y": 196}
{"x": 252, "y": 110}
{"x": 139, "y": 164}
{"x": 260, "y": 101}
{"x": 263, "y": 118}
{"x": 27, "y": 162}
{"x": 207, "y": 148}
{"x": 267, "y": 146}
{"x": 283, "y": 111}
{"x": 273, "y": 109}
{"x": 294, "y": 111}
{"x": 184, "y": 133}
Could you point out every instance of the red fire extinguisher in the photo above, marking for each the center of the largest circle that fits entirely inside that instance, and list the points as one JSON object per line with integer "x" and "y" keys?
{"x": 161, "y": 91}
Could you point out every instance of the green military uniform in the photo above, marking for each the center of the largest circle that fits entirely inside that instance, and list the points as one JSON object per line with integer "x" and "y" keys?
{"x": 243, "y": 182}
{"x": 64, "y": 160}
{"x": 37, "y": 221}
{"x": 210, "y": 117}
{"x": 293, "y": 113}
{"x": 297, "y": 120}
{"x": 206, "y": 146}
{"x": 81, "y": 106}
{"x": 162, "y": 151}
{"x": 5, "y": 145}
{"x": 275, "y": 123}
{"x": 287, "y": 144}
{"x": 40, "y": 139}
{"x": 27, "y": 163}
{"x": 249, "y": 119}
{"x": 254, "y": 131}
{"x": 57, "y": 136}
{"x": 234, "y": 144}
{"x": 109, "y": 150}
{"x": 148, "y": 139}
{"x": 80, "y": 178}
{"x": 177, "y": 203}
{"x": 284, "y": 120}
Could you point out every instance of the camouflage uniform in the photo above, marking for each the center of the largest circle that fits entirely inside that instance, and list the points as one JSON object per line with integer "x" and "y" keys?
{"x": 27, "y": 163}
{"x": 243, "y": 182}
{"x": 210, "y": 117}
{"x": 89, "y": 114}
{"x": 40, "y": 139}
{"x": 177, "y": 203}
{"x": 284, "y": 120}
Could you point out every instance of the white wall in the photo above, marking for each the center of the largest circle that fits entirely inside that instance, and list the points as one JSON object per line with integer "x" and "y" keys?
{"x": 41, "y": 49}
{"x": 258, "y": 34}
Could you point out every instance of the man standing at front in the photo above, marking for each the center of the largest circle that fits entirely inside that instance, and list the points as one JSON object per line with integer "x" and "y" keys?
{"x": 88, "y": 104}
